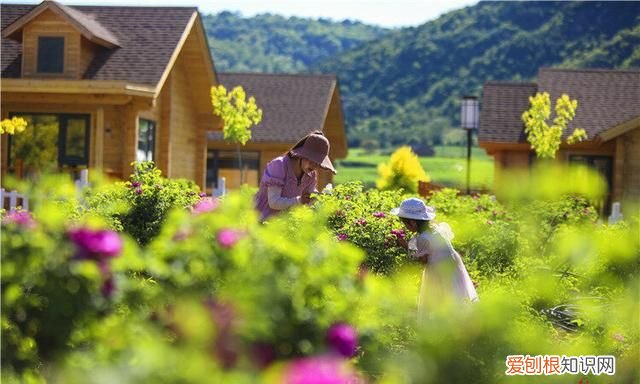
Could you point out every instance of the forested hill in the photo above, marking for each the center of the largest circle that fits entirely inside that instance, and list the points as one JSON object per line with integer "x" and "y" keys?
{"x": 402, "y": 86}
{"x": 406, "y": 86}
{"x": 272, "y": 43}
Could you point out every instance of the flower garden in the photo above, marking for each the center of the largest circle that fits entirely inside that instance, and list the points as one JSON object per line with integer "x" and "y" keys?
{"x": 149, "y": 281}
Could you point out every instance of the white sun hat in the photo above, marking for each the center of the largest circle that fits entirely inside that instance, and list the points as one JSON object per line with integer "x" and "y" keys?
{"x": 414, "y": 208}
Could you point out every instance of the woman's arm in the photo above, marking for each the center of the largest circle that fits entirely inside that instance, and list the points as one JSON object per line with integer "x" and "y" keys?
{"x": 277, "y": 201}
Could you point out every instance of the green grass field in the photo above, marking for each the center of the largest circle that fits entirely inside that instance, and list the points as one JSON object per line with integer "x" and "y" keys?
{"x": 447, "y": 167}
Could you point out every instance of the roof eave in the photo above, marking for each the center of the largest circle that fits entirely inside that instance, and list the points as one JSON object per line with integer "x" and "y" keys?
{"x": 16, "y": 26}
{"x": 619, "y": 129}
{"x": 77, "y": 87}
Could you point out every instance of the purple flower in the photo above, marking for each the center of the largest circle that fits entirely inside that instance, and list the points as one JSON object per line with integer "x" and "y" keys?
{"x": 362, "y": 222}
{"x": 96, "y": 244}
{"x": 20, "y": 218}
{"x": 399, "y": 233}
{"x": 227, "y": 238}
{"x": 138, "y": 191}
{"x": 135, "y": 184}
{"x": 203, "y": 205}
{"x": 342, "y": 236}
{"x": 379, "y": 215}
{"x": 343, "y": 338}
{"x": 203, "y": 194}
{"x": 321, "y": 370}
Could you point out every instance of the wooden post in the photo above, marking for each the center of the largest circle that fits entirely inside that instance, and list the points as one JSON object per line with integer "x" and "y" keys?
{"x": 99, "y": 141}
{"x": 129, "y": 139}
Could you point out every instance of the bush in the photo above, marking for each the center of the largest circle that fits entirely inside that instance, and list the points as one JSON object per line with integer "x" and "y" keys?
{"x": 140, "y": 206}
{"x": 402, "y": 172}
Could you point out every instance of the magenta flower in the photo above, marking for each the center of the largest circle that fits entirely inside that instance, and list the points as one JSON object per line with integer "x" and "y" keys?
{"x": 203, "y": 194}
{"x": 96, "y": 244}
{"x": 379, "y": 215}
{"x": 399, "y": 233}
{"x": 20, "y": 218}
{"x": 135, "y": 184}
{"x": 362, "y": 222}
{"x": 138, "y": 191}
{"x": 321, "y": 370}
{"x": 227, "y": 238}
{"x": 203, "y": 205}
{"x": 343, "y": 339}
{"x": 342, "y": 236}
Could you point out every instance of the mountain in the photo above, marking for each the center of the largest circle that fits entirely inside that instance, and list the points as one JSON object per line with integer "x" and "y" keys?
{"x": 272, "y": 43}
{"x": 405, "y": 87}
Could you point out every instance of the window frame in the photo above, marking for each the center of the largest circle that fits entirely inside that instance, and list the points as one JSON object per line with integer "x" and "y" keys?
{"x": 215, "y": 162}
{"x": 151, "y": 141}
{"x": 38, "y": 55}
{"x": 63, "y": 159}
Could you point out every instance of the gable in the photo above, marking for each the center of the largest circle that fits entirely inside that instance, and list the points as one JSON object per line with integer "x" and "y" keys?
{"x": 147, "y": 38}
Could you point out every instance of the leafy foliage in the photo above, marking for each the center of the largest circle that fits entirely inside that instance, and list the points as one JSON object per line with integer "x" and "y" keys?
{"x": 13, "y": 125}
{"x": 217, "y": 296}
{"x": 272, "y": 43}
{"x": 237, "y": 113}
{"x": 140, "y": 206}
{"x": 545, "y": 139}
{"x": 402, "y": 172}
{"x": 405, "y": 81}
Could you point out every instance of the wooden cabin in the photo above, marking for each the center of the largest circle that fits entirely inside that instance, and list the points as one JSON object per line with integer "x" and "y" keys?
{"x": 608, "y": 109}
{"x": 103, "y": 86}
{"x": 292, "y": 106}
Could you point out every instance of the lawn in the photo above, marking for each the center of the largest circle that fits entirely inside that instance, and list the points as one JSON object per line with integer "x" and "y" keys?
{"x": 447, "y": 167}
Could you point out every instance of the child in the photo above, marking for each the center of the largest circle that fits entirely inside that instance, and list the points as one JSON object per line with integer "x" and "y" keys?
{"x": 290, "y": 179}
{"x": 444, "y": 273}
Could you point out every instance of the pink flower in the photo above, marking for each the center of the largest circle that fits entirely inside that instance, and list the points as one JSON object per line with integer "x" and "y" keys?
{"x": 135, "y": 184}
{"x": 203, "y": 194}
{"x": 227, "y": 238}
{"x": 203, "y": 205}
{"x": 321, "y": 370}
{"x": 343, "y": 339}
{"x": 20, "y": 218}
{"x": 96, "y": 244}
{"x": 362, "y": 222}
{"x": 342, "y": 236}
{"x": 399, "y": 233}
{"x": 379, "y": 214}
{"x": 138, "y": 191}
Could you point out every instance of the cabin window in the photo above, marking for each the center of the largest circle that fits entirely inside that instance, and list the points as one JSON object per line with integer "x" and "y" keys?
{"x": 226, "y": 164}
{"x": 604, "y": 166}
{"x": 50, "y": 54}
{"x": 50, "y": 143}
{"x": 146, "y": 140}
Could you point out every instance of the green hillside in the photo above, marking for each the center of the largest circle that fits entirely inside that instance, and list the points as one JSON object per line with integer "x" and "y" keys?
{"x": 405, "y": 87}
{"x": 272, "y": 43}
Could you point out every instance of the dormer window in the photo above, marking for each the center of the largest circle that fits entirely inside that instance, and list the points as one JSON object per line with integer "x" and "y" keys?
{"x": 50, "y": 54}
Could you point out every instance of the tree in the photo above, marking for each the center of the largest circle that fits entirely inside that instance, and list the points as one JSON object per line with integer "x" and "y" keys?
{"x": 403, "y": 171}
{"x": 545, "y": 139}
{"x": 238, "y": 115}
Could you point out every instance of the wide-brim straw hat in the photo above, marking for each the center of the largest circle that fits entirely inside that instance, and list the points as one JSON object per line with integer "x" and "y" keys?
{"x": 316, "y": 148}
{"x": 414, "y": 208}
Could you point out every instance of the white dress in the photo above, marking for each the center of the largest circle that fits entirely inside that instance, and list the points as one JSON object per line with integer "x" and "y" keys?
{"x": 444, "y": 276}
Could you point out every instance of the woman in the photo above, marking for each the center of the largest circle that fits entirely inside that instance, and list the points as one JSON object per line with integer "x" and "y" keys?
{"x": 290, "y": 179}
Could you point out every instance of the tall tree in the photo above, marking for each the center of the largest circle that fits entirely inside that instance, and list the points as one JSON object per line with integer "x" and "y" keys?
{"x": 238, "y": 115}
{"x": 545, "y": 139}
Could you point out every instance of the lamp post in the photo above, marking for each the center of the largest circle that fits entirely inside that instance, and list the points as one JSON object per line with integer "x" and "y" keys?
{"x": 469, "y": 113}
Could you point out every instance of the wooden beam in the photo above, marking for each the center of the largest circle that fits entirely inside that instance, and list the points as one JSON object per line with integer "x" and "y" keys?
{"x": 48, "y": 98}
{"x": 618, "y": 170}
{"x": 176, "y": 52}
{"x": 129, "y": 125}
{"x": 77, "y": 86}
{"x": 99, "y": 139}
